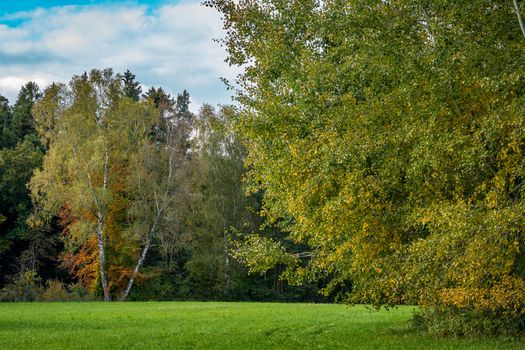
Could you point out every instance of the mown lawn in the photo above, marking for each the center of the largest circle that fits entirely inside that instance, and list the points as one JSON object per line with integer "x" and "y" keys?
{"x": 191, "y": 325}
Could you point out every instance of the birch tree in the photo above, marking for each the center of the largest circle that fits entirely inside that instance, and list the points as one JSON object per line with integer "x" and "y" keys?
{"x": 388, "y": 136}
{"x": 94, "y": 131}
{"x": 154, "y": 186}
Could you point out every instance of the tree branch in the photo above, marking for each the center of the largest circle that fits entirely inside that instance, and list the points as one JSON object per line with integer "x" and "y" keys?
{"x": 520, "y": 19}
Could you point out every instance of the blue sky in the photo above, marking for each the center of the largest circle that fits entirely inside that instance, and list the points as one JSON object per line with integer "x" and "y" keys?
{"x": 165, "y": 43}
{"x": 9, "y": 6}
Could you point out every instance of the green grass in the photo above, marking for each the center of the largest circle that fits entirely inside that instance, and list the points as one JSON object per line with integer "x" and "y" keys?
{"x": 189, "y": 325}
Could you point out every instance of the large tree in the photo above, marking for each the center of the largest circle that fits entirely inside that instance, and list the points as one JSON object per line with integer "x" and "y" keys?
{"x": 131, "y": 87}
{"x": 22, "y": 118}
{"x": 157, "y": 194}
{"x": 92, "y": 132}
{"x": 388, "y": 136}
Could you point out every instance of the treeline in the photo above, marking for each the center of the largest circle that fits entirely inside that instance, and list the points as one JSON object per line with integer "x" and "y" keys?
{"x": 109, "y": 192}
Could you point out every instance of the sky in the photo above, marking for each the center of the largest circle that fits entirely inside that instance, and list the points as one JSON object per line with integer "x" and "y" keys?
{"x": 166, "y": 43}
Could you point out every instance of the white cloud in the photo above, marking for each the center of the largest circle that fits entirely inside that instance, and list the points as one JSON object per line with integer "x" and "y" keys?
{"x": 11, "y": 84}
{"x": 170, "y": 46}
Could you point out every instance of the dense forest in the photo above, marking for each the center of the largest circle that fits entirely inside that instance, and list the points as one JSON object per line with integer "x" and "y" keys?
{"x": 109, "y": 192}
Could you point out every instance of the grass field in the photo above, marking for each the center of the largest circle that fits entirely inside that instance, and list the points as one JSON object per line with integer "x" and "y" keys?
{"x": 189, "y": 325}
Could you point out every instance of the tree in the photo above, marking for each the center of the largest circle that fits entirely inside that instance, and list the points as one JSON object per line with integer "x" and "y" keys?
{"x": 156, "y": 190}
{"x": 47, "y": 111}
{"x": 160, "y": 99}
{"x": 184, "y": 120}
{"x": 387, "y": 136}
{"x": 182, "y": 105}
{"x": 132, "y": 88}
{"x": 94, "y": 133}
{"x": 111, "y": 175}
{"x": 22, "y": 119}
{"x": 7, "y": 138}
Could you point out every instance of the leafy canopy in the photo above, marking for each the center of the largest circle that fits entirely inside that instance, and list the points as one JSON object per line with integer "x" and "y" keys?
{"x": 388, "y": 136}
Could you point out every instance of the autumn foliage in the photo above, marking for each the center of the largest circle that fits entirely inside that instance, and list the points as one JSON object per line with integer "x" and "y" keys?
{"x": 388, "y": 136}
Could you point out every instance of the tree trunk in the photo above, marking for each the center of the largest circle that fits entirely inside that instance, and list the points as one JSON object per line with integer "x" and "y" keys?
{"x": 226, "y": 266}
{"x": 520, "y": 19}
{"x": 135, "y": 271}
{"x": 142, "y": 256}
{"x": 102, "y": 258}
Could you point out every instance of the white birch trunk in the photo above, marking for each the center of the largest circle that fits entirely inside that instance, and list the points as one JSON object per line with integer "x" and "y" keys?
{"x": 102, "y": 257}
{"x": 125, "y": 294}
{"x": 160, "y": 206}
{"x": 520, "y": 19}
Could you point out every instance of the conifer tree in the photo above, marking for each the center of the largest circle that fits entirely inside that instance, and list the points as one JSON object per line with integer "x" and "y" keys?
{"x": 131, "y": 87}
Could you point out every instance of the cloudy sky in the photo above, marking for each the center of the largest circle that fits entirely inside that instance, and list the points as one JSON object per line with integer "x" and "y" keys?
{"x": 164, "y": 43}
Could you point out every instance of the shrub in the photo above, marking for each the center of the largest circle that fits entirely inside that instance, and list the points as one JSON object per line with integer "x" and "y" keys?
{"x": 58, "y": 291}
{"x": 452, "y": 321}
{"x": 55, "y": 291}
{"x": 80, "y": 293}
{"x": 26, "y": 286}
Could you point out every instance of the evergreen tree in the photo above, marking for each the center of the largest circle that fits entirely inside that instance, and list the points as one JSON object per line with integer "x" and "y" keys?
{"x": 22, "y": 120}
{"x": 160, "y": 99}
{"x": 182, "y": 106}
{"x": 131, "y": 88}
{"x": 184, "y": 120}
{"x": 7, "y": 137}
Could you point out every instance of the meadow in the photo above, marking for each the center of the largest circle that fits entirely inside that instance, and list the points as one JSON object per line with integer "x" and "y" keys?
{"x": 218, "y": 325}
